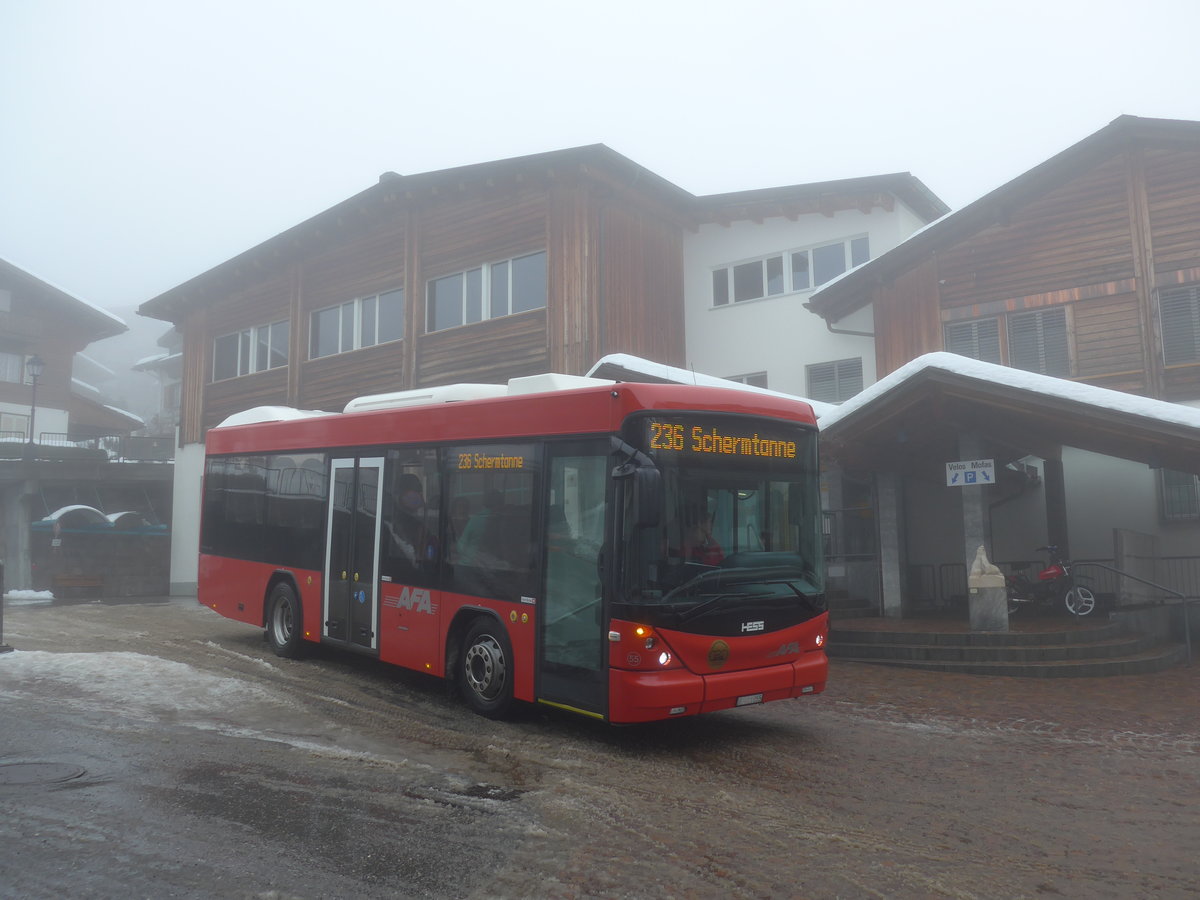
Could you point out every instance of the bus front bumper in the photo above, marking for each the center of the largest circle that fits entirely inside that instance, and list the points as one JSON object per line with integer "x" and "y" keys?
{"x": 638, "y": 696}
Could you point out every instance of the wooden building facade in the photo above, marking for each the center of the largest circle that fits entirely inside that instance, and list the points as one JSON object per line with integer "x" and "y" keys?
{"x": 558, "y": 259}
{"x": 1086, "y": 267}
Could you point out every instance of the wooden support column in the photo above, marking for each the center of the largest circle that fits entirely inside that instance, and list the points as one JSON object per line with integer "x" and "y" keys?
{"x": 1056, "y": 505}
{"x": 889, "y": 498}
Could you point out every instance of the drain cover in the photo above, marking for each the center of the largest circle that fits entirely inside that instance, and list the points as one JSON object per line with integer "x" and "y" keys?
{"x": 38, "y": 773}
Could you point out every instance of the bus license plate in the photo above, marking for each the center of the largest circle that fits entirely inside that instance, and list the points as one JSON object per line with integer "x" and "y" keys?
{"x": 749, "y": 699}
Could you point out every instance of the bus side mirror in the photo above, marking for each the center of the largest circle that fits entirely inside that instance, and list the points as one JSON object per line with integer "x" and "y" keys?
{"x": 647, "y": 495}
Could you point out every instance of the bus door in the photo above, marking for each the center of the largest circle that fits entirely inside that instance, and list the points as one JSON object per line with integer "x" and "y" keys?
{"x": 351, "y": 555}
{"x": 573, "y": 650}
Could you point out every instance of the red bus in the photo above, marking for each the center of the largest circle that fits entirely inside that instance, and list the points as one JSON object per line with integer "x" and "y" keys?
{"x": 630, "y": 552}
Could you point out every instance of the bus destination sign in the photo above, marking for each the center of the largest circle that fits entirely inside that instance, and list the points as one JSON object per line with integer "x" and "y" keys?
{"x": 718, "y": 439}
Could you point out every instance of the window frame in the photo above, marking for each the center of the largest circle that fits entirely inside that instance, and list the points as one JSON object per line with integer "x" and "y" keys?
{"x": 1004, "y": 323}
{"x": 752, "y": 379}
{"x": 351, "y": 323}
{"x": 11, "y": 363}
{"x": 480, "y": 297}
{"x": 1169, "y": 331}
{"x": 246, "y": 349}
{"x": 1188, "y": 499}
{"x": 855, "y": 249}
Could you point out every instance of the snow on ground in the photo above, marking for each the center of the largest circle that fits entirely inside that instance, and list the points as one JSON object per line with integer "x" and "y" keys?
{"x": 21, "y": 598}
{"x": 128, "y": 684}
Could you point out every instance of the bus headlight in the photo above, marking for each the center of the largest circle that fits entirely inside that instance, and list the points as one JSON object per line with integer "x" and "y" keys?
{"x": 664, "y": 658}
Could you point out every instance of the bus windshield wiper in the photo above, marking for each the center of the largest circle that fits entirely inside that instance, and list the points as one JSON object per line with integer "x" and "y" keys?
{"x": 710, "y": 602}
{"x": 721, "y": 577}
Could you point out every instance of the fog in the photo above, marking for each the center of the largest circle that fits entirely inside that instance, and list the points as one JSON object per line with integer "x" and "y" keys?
{"x": 146, "y": 142}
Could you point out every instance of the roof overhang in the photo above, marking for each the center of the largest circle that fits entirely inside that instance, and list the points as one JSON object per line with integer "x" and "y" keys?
{"x": 823, "y": 198}
{"x": 94, "y": 322}
{"x": 912, "y": 419}
{"x": 393, "y": 193}
{"x": 853, "y": 290}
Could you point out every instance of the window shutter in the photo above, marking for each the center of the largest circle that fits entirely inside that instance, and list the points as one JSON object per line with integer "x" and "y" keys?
{"x": 850, "y": 378}
{"x": 1037, "y": 342}
{"x": 978, "y": 339}
{"x": 822, "y": 383}
{"x": 835, "y": 382}
{"x": 1179, "y": 309}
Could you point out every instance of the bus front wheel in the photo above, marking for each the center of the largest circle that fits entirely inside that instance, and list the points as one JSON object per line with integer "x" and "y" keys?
{"x": 485, "y": 676}
{"x": 284, "y": 621}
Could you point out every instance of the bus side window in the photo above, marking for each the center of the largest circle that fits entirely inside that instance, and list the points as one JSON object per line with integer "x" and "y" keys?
{"x": 410, "y": 532}
{"x": 490, "y": 498}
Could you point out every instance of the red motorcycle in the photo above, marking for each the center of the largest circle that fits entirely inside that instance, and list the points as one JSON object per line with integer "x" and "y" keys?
{"x": 1053, "y": 585}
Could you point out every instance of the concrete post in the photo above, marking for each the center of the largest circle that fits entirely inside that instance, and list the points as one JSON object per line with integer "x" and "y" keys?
{"x": 974, "y": 502}
{"x": 891, "y": 555}
{"x": 4, "y": 648}
{"x": 986, "y": 595}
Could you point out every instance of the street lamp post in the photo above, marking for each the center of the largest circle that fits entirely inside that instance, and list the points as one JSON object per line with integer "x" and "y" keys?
{"x": 34, "y": 366}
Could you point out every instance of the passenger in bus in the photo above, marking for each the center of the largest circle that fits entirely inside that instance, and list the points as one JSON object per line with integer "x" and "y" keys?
{"x": 699, "y": 545}
{"x": 479, "y": 541}
{"x": 409, "y": 539}
{"x": 460, "y": 514}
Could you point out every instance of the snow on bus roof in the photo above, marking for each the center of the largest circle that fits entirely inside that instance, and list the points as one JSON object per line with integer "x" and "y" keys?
{"x": 271, "y": 414}
{"x": 626, "y": 367}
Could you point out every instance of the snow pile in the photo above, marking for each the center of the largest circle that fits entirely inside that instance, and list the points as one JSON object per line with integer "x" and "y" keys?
{"x": 126, "y": 684}
{"x": 23, "y": 597}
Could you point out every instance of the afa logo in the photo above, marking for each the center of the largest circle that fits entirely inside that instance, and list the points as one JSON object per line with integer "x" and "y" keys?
{"x": 412, "y": 599}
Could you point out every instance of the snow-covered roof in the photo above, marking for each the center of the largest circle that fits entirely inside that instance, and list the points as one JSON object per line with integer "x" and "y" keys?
{"x": 126, "y": 413}
{"x": 116, "y": 323}
{"x": 1098, "y": 398}
{"x": 625, "y": 367}
{"x": 918, "y": 412}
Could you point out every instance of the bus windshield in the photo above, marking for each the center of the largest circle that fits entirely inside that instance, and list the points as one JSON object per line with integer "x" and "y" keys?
{"x": 738, "y": 524}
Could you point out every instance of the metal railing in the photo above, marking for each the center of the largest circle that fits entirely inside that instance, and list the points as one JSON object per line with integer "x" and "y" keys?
{"x": 116, "y": 447}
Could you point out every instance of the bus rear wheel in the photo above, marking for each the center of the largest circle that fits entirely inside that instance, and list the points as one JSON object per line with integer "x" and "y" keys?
{"x": 284, "y": 622}
{"x": 485, "y": 676}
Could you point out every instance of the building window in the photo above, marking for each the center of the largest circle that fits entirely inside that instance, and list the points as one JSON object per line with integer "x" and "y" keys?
{"x": 754, "y": 379}
{"x": 793, "y": 270}
{"x": 835, "y": 382}
{"x": 13, "y": 424}
{"x": 355, "y": 324}
{"x": 490, "y": 291}
{"x": 1180, "y": 495}
{"x": 1179, "y": 310}
{"x": 12, "y": 367}
{"x": 1036, "y": 341}
{"x": 251, "y": 350}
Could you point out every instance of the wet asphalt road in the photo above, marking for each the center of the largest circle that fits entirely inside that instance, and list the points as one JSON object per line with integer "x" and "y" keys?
{"x": 180, "y": 758}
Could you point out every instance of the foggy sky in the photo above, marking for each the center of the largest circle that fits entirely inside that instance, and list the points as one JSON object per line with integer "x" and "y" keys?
{"x": 143, "y": 143}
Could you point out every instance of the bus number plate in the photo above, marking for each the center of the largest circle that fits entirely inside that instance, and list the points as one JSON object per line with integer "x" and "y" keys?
{"x": 749, "y": 699}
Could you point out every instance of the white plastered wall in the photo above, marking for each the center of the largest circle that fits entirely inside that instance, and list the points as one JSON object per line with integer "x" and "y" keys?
{"x": 185, "y": 519}
{"x": 777, "y": 335}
